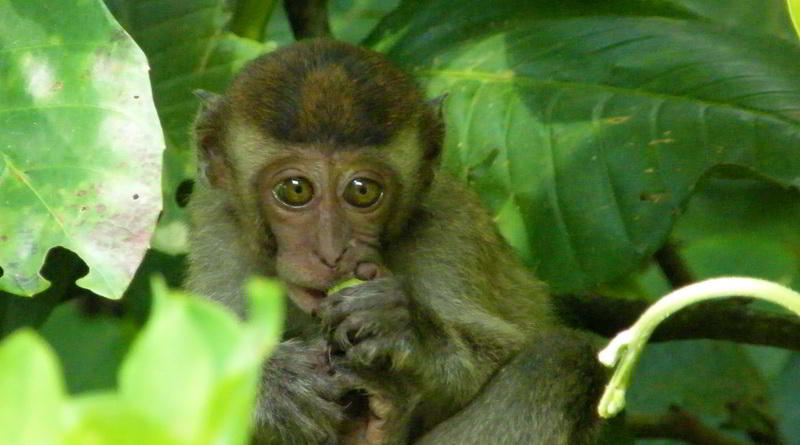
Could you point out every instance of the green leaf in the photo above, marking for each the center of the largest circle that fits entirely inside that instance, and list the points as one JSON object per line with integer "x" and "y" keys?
{"x": 785, "y": 391}
{"x": 105, "y": 419}
{"x": 604, "y": 120}
{"x": 80, "y": 154}
{"x": 32, "y": 391}
{"x": 191, "y": 377}
{"x": 266, "y": 311}
{"x": 169, "y": 373}
{"x": 352, "y": 20}
{"x": 194, "y": 370}
{"x": 794, "y": 12}
{"x": 70, "y": 333}
{"x": 187, "y": 50}
{"x": 749, "y": 16}
{"x": 700, "y": 376}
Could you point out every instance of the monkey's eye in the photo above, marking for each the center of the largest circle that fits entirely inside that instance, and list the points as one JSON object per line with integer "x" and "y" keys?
{"x": 295, "y": 191}
{"x": 363, "y": 192}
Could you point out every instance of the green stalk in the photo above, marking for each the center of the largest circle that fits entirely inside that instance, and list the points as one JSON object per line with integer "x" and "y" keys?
{"x": 250, "y": 18}
{"x": 794, "y": 13}
{"x": 624, "y": 349}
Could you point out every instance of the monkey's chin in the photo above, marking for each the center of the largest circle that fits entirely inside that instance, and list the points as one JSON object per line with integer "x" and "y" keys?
{"x": 307, "y": 299}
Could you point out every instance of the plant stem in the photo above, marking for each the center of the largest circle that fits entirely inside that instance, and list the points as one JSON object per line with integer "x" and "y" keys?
{"x": 672, "y": 265}
{"x": 624, "y": 349}
{"x": 250, "y": 18}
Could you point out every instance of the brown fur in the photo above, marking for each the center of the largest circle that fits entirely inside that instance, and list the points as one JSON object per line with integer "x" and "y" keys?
{"x": 468, "y": 333}
{"x": 325, "y": 92}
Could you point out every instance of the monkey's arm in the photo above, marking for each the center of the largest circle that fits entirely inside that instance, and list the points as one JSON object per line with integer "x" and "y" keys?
{"x": 546, "y": 395}
{"x": 299, "y": 399}
{"x": 457, "y": 306}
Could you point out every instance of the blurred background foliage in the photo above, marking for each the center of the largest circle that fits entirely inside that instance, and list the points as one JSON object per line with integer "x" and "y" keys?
{"x": 597, "y": 133}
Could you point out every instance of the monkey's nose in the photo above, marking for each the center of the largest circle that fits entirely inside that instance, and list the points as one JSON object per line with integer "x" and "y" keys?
{"x": 330, "y": 258}
{"x": 330, "y": 263}
{"x": 366, "y": 271}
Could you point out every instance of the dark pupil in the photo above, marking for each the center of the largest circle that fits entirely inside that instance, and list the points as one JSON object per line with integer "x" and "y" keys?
{"x": 362, "y": 188}
{"x": 298, "y": 188}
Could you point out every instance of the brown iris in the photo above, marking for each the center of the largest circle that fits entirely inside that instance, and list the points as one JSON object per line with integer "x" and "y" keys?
{"x": 363, "y": 192}
{"x": 295, "y": 191}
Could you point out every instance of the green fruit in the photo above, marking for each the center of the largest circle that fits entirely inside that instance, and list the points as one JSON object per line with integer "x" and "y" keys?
{"x": 344, "y": 284}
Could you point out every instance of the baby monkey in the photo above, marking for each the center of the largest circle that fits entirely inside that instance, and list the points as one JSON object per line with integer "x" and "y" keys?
{"x": 320, "y": 164}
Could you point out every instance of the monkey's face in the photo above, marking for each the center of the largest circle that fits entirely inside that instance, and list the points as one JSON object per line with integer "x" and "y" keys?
{"x": 327, "y": 212}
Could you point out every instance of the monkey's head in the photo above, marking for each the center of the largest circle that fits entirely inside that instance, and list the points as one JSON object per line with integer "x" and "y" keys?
{"x": 321, "y": 151}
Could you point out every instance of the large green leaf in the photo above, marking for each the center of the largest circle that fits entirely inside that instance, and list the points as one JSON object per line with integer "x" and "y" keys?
{"x": 748, "y": 16}
{"x": 586, "y": 128}
{"x": 785, "y": 391}
{"x": 188, "y": 49}
{"x": 80, "y": 146}
{"x": 711, "y": 380}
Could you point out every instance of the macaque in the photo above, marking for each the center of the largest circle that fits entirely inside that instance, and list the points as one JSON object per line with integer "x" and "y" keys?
{"x": 320, "y": 164}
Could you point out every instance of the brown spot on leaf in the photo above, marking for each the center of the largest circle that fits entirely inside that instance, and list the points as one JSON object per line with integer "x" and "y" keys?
{"x": 616, "y": 120}
{"x": 661, "y": 141}
{"x": 135, "y": 196}
{"x": 654, "y": 197}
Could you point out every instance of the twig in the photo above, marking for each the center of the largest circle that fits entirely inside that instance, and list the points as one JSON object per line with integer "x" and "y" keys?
{"x": 675, "y": 269}
{"x": 308, "y": 18}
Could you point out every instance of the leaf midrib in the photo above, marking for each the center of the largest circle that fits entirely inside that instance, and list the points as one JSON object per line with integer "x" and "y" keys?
{"x": 484, "y": 76}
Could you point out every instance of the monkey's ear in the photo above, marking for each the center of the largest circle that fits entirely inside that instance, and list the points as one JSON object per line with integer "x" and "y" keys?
{"x": 212, "y": 165}
{"x": 433, "y": 128}
{"x": 437, "y": 104}
{"x": 207, "y": 99}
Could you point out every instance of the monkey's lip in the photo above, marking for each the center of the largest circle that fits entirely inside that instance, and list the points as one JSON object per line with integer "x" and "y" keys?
{"x": 306, "y": 298}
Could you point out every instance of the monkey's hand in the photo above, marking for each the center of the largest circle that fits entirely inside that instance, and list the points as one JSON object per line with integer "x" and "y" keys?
{"x": 299, "y": 400}
{"x": 369, "y": 325}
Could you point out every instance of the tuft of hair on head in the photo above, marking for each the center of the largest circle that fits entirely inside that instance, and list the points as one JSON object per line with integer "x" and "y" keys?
{"x": 328, "y": 92}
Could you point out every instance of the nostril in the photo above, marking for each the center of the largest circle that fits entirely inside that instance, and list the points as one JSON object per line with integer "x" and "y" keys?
{"x": 366, "y": 271}
{"x": 330, "y": 259}
{"x": 324, "y": 261}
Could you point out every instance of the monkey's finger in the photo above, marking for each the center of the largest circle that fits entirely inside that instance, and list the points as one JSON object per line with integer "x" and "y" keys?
{"x": 369, "y": 270}
{"x": 373, "y": 354}
{"x": 346, "y": 380}
{"x": 341, "y": 306}
{"x": 330, "y": 313}
{"x": 382, "y": 353}
{"x": 353, "y": 329}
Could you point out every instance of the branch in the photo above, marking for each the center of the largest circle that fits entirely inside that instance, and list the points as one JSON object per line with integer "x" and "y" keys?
{"x": 718, "y": 320}
{"x": 678, "y": 425}
{"x": 309, "y": 18}
{"x": 675, "y": 269}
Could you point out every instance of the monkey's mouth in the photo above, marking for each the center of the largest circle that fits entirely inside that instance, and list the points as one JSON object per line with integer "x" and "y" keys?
{"x": 306, "y": 298}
